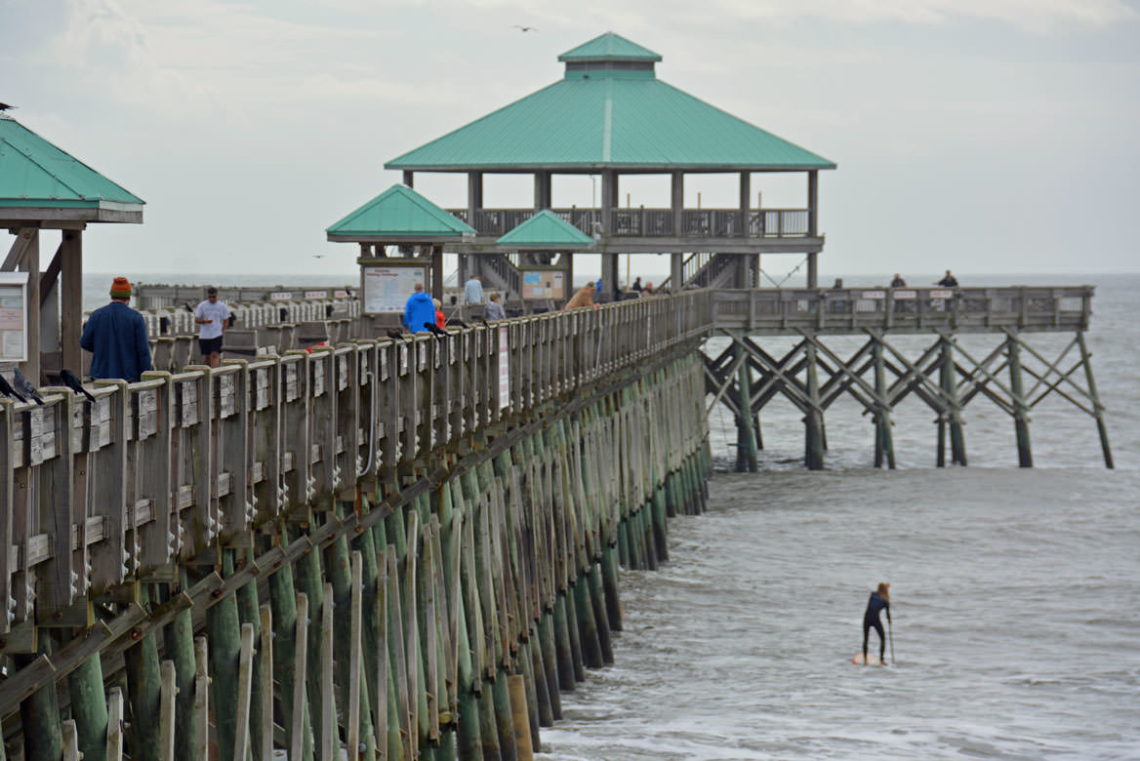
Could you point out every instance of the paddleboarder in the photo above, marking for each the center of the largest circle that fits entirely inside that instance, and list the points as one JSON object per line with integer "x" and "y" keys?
{"x": 880, "y": 601}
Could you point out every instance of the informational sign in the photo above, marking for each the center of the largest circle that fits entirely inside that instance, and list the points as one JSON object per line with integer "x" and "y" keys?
{"x": 904, "y": 295}
{"x": 504, "y": 368}
{"x": 316, "y": 294}
{"x": 387, "y": 288}
{"x": 874, "y": 294}
{"x": 340, "y": 294}
{"x": 281, "y": 296}
{"x": 13, "y": 317}
{"x": 942, "y": 294}
{"x": 543, "y": 284}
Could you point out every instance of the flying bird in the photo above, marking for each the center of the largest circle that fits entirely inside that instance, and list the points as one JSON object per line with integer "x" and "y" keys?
{"x": 6, "y": 107}
{"x": 319, "y": 256}
{"x": 25, "y": 387}
{"x": 73, "y": 383}
{"x": 7, "y": 390}
{"x": 522, "y": 28}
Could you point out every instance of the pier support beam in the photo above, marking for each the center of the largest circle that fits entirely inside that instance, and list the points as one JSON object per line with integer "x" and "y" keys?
{"x": 1098, "y": 408}
{"x": 884, "y": 441}
{"x": 1020, "y": 406}
{"x": 813, "y": 418}
{"x": 952, "y": 416}
{"x": 746, "y": 445}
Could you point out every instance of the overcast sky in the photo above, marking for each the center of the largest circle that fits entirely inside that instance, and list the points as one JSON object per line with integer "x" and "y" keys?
{"x": 982, "y": 135}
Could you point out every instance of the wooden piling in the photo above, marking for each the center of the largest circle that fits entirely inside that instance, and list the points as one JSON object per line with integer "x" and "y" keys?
{"x": 1020, "y": 403}
{"x": 1094, "y": 397}
{"x": 747, "y": 456}
{"x": 884, "y": 439}
{"x": 89, "y": 709}
{"x": 948, "y": 381}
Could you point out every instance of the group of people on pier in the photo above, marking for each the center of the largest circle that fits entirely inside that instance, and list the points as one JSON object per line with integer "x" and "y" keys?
{"x": 116, "y": 335}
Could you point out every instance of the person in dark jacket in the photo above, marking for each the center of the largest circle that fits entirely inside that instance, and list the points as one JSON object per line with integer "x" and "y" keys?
{"x": 949, "y": 281}
{"x": 418, "y": 310}
{"x": 116, "y": 336}
{"x": 880, "y": 601}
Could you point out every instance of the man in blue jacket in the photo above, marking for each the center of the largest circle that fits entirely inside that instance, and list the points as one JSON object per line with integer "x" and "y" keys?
{"x": 418, "y": 310}
{"x": 116, "y": 335}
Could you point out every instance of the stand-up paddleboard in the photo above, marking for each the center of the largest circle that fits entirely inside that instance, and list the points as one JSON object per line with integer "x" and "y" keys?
{"x": 872, "y": 660}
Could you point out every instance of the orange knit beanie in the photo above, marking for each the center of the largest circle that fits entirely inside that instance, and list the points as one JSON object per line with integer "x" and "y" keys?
{"x": 121, "y": 288}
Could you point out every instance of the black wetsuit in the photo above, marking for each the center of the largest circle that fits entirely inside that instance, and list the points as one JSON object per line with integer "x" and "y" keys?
{"x": 948, "y": 282}
{"x": 871, "y": 619}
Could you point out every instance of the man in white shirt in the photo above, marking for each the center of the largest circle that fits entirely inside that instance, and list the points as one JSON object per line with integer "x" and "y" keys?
{"x": 211, "y": 315}
{"x": 473, "y": 290}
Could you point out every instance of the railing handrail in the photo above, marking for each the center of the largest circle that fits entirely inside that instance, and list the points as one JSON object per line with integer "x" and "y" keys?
{"x": 990, "y": 308}
{"x": 185, "y": 459}
{"x": 646, "y": 221}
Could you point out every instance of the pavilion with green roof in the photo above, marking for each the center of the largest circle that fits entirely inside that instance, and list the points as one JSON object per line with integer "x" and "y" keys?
{"x": 611, "y": 116}
{"x": 42, "y": 187}
{"x": 538, "y": 239}
{"x": 402, "y": 217}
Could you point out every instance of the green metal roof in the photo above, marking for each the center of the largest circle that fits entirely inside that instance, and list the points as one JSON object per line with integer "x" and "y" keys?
{"x": 546, "y": 230}
{"x": 609, "y": 47}
{"x": 35, "y": 173}
{"x": 399, "y": 212}
{"x": 609, "y": 118}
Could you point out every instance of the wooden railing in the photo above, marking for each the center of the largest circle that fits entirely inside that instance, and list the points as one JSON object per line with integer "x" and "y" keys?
{"x": 904, "y": 309}
{"x": 94, "y": 494}
{"x": 642, "y": 222}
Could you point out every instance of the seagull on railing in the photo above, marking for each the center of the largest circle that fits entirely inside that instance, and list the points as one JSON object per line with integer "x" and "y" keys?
{"x": 72, "y": 382}
{"x": 396, "y": 334}
{"x": 435, "y": 329}
{"x": 25, "y": 387}
{"x": 7, "y": 390}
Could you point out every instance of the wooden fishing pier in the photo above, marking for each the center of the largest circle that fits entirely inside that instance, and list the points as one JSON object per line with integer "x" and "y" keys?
{"x": 463, "y": 503}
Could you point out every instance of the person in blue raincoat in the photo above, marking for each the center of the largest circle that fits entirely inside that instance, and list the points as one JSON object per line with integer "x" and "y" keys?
{"x": 418, "y": 310}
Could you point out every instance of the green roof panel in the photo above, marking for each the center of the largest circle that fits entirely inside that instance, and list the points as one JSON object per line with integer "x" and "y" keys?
{"x": 609, "y": 119}
{"x": 400, "y": 212}
{"x": 546, "y": 230}
{"x": 609, "y": 47}
{"x": 33, "y": 172}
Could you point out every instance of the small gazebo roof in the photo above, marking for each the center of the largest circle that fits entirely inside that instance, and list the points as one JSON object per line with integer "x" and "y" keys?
{"x": 609, "y": 47}
{"x": 609, "y": 112}
{"x": 546, "y": 230}
{"x": 400, "y": 214}
{"x": 41, "y": 181}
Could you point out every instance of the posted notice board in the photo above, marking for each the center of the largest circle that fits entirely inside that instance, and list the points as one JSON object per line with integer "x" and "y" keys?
{"x": 13, "y": 316}
{"x": 387, "y": 288}
{"x": 543, "y": 284}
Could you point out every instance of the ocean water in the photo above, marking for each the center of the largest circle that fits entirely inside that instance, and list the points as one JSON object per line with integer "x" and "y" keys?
{"x": 1015, "y": 593}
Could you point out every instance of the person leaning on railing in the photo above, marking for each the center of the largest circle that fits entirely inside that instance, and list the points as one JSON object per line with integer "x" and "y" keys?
{"x": 494, "y": 308}
{"x": 583, "y": 298}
